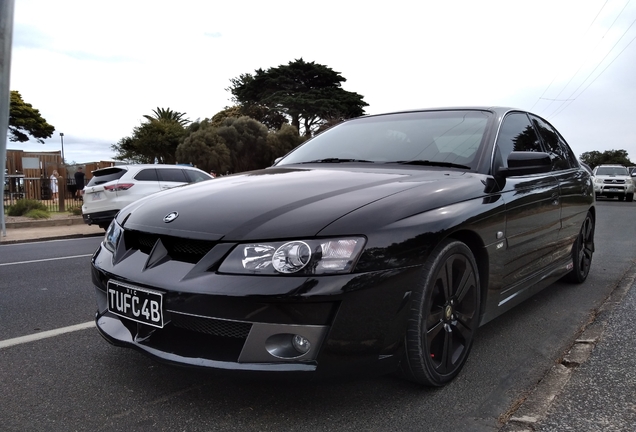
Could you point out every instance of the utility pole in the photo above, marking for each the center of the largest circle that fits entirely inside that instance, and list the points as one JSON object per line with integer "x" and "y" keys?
{"x": 6, "y": 36}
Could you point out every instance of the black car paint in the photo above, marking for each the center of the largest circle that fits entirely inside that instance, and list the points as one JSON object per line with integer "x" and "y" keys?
{"x": 520, "y": 230}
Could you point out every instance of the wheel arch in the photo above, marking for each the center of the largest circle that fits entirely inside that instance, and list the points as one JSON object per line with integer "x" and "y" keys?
{"x": 477, "y": 247}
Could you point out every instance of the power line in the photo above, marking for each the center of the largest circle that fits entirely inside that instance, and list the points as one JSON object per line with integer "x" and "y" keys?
{"x": 557, "y": 73}
{"x": 584, "y": 60}
{"x": 601, "y": 73}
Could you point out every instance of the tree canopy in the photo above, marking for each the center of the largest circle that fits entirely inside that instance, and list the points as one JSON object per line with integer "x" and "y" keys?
{"x": 595, "y": 158}
{"x": 25, "y": 121}
{"x": 166, "y": 114}
{"x": 308, "y": 94}
{"x": 155, "y": 140}
{"x": 235, "y": 144}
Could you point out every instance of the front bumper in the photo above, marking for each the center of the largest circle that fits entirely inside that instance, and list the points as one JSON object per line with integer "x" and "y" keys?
{"x": 611, "y": 189}
{"x": 355, "y": 323}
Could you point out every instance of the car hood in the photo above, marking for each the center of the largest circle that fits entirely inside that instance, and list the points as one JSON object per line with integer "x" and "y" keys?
{"x": 288, "y": 202}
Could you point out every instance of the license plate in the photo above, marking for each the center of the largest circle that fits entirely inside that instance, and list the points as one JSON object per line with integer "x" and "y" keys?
{"x": 138, "y": 304}
{"x": 614, "y": 189}
{"x": 97, "y": 196}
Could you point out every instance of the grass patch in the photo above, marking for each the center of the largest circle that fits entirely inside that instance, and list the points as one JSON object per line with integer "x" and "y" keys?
{"x": 24, "y": 206}
{"x": 37, "y": 214}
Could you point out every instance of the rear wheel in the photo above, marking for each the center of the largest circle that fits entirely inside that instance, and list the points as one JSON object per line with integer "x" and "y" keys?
{"x": 582, "y": 252}
{"x": 444, "y": 316}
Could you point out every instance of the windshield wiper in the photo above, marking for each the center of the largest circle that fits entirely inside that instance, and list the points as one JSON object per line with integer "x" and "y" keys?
{"x": 336, "y": 160}
{"x": 432, "y": 163}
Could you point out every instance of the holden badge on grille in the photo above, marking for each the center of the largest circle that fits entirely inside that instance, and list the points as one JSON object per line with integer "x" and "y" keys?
{"x": 170, "y": 217}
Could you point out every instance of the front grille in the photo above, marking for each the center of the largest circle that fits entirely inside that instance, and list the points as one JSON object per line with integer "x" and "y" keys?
{"x": 217, "y": 327}
{"x": 179, "y": 249}
{"x": 614, "y": 181}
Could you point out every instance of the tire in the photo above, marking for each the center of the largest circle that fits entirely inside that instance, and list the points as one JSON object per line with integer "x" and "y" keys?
{"x": 444, "y": 316}
{"x": 630, "y": 197}
{"x": 582, "y": 252}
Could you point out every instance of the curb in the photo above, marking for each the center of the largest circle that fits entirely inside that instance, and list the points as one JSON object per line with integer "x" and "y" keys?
{"x": 45, "y": 223}
{"x": 528, "y": 413}
{"x": 3, "y": 241}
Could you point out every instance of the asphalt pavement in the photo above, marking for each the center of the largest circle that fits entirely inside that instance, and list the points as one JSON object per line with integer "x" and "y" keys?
{"x": 592, "y": 388}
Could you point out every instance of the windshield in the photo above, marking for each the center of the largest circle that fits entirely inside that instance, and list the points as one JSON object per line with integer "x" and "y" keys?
{"x": 448, "y": 137}
{"x": 621, "y": 171}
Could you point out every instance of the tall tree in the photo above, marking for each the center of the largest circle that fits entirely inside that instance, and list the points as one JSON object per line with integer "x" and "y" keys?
{"x": 25, "y": 121}
{"x": 308, "y": 93}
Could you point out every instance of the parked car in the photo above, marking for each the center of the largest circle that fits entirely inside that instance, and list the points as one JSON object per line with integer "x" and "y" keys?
{"x": 613, "y": 181}
{"x": 113, "y": 188}
{"x": 380, "y": 245}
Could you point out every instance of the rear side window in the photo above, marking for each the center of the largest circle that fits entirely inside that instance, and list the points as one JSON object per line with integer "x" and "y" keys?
{"x": 148, "y": 174}
{"x": 559, "y": 151}
{"x": 106, "y": 175}
{"x": 197, "y": 176}
{"x": 172, "y": 175}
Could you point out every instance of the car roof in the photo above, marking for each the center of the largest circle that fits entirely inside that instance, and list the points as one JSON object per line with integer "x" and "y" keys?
{"x": 495, "y": 109}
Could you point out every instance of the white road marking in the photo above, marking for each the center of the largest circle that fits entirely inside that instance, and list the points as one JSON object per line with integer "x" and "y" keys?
{"x": 45, "y": 334}
{"x": 45, "y": 259}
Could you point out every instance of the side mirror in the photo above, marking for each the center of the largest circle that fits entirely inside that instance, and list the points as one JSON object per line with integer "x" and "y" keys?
{"x": 525, "y": 163}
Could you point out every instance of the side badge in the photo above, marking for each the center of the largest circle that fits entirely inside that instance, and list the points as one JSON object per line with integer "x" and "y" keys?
{"x": 170, "y": 217}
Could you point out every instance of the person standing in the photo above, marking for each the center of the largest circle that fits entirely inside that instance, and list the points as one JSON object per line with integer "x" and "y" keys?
{"x": 54, "y": 186}
{"x": 79, "y": 182}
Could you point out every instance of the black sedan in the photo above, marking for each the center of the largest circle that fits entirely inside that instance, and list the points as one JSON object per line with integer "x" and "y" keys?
{"x": 379, "y": 245}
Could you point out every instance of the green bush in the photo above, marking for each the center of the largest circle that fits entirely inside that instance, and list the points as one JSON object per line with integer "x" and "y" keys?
{"x": 75, "y": 211}
{"x": 37, "y": 214}
{"x": 23, "y": 206}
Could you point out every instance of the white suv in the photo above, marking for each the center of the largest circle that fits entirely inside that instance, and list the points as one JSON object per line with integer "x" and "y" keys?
{"x": 613, "y": 181}
{"x": 113, "y": 188}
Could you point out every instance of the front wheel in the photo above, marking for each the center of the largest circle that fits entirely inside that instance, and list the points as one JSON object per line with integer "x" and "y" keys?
{"x": 444, "y": 316}
{"x": 630, "y": 197}
{"x": 582, "y": 251}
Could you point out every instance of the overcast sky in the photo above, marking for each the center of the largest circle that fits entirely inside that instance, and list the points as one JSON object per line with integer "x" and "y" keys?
{"x": 93, "y": 69}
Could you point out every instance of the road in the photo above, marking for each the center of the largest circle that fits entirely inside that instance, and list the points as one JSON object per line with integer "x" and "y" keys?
{"x": 76, "y": 381}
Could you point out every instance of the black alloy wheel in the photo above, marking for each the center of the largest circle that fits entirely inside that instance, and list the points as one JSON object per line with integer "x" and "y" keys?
{"x": 582, "y": 251}
{"x": 444, "y": 316}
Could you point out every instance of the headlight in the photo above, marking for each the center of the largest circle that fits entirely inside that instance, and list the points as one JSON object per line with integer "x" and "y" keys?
{"x": 323, "y": 256}
{"x": 598, "y": 180}
{"x": 113, "y": 233}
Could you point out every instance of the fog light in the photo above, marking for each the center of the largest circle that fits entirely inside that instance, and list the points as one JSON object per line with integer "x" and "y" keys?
{"x": 301, "y": 344}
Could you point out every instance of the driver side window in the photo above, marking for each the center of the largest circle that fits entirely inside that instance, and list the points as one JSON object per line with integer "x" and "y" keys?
{"x": 516, "y": 134}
